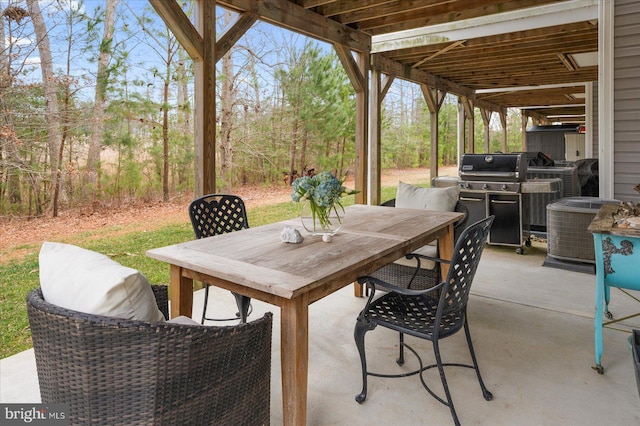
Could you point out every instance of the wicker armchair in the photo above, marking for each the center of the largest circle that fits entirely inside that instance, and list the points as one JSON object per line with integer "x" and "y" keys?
{"x": 122, "y": 372}
{"x": 409, "y": 276}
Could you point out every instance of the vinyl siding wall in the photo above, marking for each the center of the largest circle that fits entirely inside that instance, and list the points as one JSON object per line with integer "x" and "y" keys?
{"x": 626, "y": 160}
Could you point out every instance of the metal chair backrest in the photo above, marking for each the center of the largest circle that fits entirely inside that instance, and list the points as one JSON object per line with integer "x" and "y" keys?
{"x": 216, "y": 214}
{"x": 464, "y": 262}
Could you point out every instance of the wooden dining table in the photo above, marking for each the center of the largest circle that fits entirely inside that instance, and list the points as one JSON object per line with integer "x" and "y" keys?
{"x": 255, "y": 262}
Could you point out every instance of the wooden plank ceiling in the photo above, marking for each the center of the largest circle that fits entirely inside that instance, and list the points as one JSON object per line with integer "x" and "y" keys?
{"x": 490, "y": 63}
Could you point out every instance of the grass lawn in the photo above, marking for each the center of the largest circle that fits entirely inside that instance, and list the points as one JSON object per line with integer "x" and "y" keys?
{"x": 21, "y": 276}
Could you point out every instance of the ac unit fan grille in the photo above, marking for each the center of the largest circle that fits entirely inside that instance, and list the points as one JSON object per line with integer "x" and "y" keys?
{"x": 567, "y": 235}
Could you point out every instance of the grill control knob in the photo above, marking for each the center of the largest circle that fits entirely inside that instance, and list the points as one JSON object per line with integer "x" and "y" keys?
{"x": 485, "y": 186}
{"x": 504, "y": 187}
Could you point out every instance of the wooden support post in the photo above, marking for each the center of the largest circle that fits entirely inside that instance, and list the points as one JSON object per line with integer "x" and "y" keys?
{"x": 503, "y": 123}
{"x": 434, "y": 99}
{"x": 486, "y": 119}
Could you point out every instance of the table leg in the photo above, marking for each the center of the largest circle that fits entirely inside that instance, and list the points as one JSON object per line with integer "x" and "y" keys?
{"x": 600, "y": 303}
{"x": 357, "y": 289}
{"x": 181, "y": 296}
{"x": 446, "y": 244}
{"x": 294, "y": 355}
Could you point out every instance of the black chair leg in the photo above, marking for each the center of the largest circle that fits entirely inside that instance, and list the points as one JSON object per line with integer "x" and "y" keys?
{"x": 362, "y": 326}
{"x": 206, "y": 301}
{"x": 243, "y": 303}
{"x": 485, "y": 392}
{"x": 436, "y": 349}
{"x": 400, "y": 359}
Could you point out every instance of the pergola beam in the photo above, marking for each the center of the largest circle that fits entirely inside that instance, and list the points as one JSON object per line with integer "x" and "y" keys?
{"x": 398, "y": 70}
{"x": 180, "y": 25}
{"x": 351, "y": 67}
{"x": 296, "y": 18}
{"x": 230, "y": 37}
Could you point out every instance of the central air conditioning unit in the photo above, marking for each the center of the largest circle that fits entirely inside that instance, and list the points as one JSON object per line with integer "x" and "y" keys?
{"x": 569, "y": 242}
{"x": 539, "y": 202}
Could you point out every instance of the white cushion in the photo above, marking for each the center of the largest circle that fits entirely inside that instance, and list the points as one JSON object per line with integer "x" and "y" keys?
{"x": 183, "y": 320}
{"x": 90, "y": 282}
{"x": 416, "y": 197}
{"x": 429, "y": 250}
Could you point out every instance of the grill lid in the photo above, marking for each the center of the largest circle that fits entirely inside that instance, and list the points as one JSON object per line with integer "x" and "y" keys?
{"x": 493, "y": 167}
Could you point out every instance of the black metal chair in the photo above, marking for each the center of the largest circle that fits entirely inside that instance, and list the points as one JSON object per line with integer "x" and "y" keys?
{"x": 114, "y": 371}
{"x": 216, "y": 214}
{"x": 418, "y": 313}
{"x": 416, "y": 277}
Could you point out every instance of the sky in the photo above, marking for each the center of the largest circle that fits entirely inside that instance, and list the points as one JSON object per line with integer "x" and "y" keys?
{"x": 261, "y": 39}
{"x": 56, "y": 14}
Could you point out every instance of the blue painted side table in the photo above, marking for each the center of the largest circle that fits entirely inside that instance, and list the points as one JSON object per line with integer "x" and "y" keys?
{"x": 617, "y": 257}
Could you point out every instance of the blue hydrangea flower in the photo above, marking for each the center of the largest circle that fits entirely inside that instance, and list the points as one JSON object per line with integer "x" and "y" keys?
{"x": 324, "y": 192}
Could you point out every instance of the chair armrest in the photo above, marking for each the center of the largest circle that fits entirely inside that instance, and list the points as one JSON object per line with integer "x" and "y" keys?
{"x": 373, "y": 283}
{"x": 161, "y": 293}
{"x": 418, "y": 256}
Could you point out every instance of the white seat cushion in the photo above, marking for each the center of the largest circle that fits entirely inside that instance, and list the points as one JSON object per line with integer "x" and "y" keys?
{"x": 416, "y": 197}
{"x": 85, "y": 281}
{"x": 183, "y": 320}
{"x": 428, "y": 250}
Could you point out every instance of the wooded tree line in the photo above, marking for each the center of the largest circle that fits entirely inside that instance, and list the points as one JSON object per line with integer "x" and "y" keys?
{"x": 96, "y": 107}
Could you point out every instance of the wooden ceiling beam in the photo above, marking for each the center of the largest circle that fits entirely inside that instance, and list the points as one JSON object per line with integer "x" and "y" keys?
{"x": 308, "y": 4}
{"x": 551, "y": 100}
{"x": 450, "y": 12}
{"x": 555, "y": 101}
{"x": 511, "y": 71}
{"x": 556, "y": 74}
{"x": 438, "y": 53}
{"x": 386, "y": 10}
{"x": 526, "y": 48}
{"x": 555, "y": 14}
{"x": 288, "y": 15}
{"x": 581, "y": 31}
{"x": 537, "y": 89}
{"x": 396, "y": 69}
{"x": 340, "y": 7}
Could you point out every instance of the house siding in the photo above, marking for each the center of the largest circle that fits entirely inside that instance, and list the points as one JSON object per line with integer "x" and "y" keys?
{"x": 626, "y": 124}
{"x": 595, "y": 127}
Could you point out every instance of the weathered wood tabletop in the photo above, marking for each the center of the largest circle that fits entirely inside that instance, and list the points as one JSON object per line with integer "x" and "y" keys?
{"x": 254, "y": 262}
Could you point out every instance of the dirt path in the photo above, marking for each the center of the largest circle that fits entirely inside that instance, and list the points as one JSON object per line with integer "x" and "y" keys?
{"x": 19, "y": 236}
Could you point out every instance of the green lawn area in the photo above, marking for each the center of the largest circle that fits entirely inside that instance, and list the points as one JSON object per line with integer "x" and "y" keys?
{"x": 21, "y": 276}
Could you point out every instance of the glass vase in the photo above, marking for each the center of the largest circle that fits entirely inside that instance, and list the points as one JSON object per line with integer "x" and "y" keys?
{"x": 314, "y": 225}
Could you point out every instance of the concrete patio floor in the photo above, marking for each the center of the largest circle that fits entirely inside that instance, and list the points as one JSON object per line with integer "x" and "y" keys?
{"x": 532, "y": 328}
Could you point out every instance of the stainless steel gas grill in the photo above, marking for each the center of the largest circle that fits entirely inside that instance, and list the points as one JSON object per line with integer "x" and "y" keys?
{"x": 495, "y": 184}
